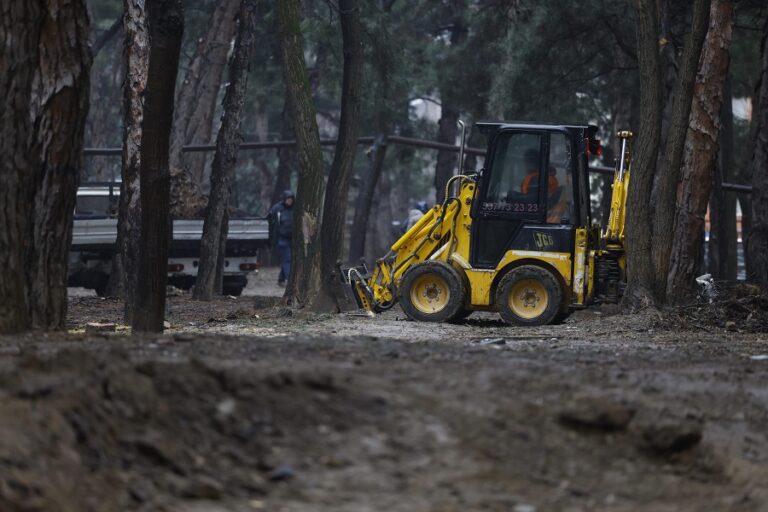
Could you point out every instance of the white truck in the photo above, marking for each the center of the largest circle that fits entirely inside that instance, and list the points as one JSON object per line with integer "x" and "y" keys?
{"x": 94, "y": 233}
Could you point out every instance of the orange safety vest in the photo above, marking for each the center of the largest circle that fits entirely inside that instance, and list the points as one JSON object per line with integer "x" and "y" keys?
{"x": 552, "y": 185}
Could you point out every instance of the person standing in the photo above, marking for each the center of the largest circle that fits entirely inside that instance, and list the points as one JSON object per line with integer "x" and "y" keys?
{"x": 281, "y": 232}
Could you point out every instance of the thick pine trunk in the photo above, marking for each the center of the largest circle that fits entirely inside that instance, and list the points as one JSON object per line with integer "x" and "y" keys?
{"x": 701, "y": 147}
{"x": 209, "y": 274}
{"x": 669, "y": 175}
{"x": 304, "y": 282}
{"x": 640, "y": 271}
{"x": 758, "y": 239}
{"x": 125, "y": 271}
{"x": 335, "y": 209}
{"x": 20, "y": 24}
{"x": 196, "y": 101}
{"x": 722, "y": 204}
{"x": 165, "y": 20}
{"x": 59, "y": 108}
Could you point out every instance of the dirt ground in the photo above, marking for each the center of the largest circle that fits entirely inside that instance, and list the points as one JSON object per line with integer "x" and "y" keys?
{"x": 242, "y": 407}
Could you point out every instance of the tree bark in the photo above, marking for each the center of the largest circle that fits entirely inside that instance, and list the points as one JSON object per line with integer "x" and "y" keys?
{"x": 758, "y": 239}
{"x": 20, "y": 24}
{"x": 722, "y": 204}
{"x": 196, "y": 101}
{"x": 124, "y": 272}
{"x": 335, "y": 208}
{"x": 304, "y": 282}
{"x": 227, "y": 145}
{"x": 700, "y": 154}
{"x": 165, "y": 21}
{"x": 286, "y": 158}
{"x": 640, "y": 272}
{"x": 59, "y": 107}
{"x": 664, "y": 216}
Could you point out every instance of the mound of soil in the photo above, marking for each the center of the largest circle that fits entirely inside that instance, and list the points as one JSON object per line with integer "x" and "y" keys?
{"x": 96, "y": 432}
{"x": 192, "y": 422}
{"x": 736, "y": 307}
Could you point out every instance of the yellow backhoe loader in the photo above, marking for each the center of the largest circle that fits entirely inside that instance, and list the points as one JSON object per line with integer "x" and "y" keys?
{"x": 515, "y": 238}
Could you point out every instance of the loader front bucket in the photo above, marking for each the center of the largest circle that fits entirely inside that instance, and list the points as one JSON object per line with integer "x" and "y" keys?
{"x": 346, "y": 289}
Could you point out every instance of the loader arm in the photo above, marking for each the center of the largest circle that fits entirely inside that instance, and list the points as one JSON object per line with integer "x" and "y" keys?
{"x": 433, "y": 237}
{"x": 614, "y": 232}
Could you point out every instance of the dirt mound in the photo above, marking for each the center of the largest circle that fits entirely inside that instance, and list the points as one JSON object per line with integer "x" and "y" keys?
{"x": 735, "y": 307}
{"x": 81, "y": 432}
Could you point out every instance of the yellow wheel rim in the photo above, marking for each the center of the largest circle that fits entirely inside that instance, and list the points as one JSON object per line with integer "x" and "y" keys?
{"x": 528, "y": 299}
{"x": 430, "y": 293}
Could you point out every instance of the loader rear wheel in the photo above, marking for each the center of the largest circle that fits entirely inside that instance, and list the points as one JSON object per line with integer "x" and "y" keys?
{"x": 431, "y": 292}
{"x": 529, "y": 295}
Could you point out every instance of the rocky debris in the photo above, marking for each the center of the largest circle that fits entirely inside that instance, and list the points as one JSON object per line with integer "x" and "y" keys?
{"x": 667, "y": 435}
{"x": 282, "y": 473}
{"x": 100, "y": 327}
{"x": 740, "y": 307}
{"x": 597, "y": 413}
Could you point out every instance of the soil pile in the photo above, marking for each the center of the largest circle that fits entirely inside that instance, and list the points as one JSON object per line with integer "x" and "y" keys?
{"x": 99, "y": 433}
{"x": 192, "y": 422}
{"x": 735, "y": 307}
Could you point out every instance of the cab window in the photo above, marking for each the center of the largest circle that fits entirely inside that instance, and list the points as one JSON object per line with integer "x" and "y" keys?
{"x": 560, "y": 207}
{"x": 514, "y": 181}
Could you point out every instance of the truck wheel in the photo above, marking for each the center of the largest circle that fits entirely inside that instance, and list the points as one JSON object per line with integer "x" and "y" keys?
{"x": 431, "y": 292}
{"x": 529, "y": 295}
{"x": 233, "y": 285}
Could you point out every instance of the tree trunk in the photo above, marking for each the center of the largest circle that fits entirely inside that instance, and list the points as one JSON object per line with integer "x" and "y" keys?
{"x": 335, "y": 209}
{"x": 365, "y": 196}
{"x": 196, "y": 102}
{"x": 758, "y": 240}
{"x": 701, "y": 146}
{"x": 668, "y": 65}
{"x": 227, "y": 143}
{"x": 124, "y": 273}
{"x": 20, "y": 23}
{"x": 304, "y": 282}
{"x": 165, "y": 20}
{"x": 382, "y": 62}
{"x": 640, "y": 272}
{"x": 664, "y": 217}
{"x": 722, "y": 204}
{"x": 286, "y": 158}
{"x": 59, "y": 107}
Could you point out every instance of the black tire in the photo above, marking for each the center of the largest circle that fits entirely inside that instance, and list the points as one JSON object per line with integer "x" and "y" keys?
{"x": 432, "y": 291}
{"x": 529, "y": 295}
{"x": 233, "y": 285}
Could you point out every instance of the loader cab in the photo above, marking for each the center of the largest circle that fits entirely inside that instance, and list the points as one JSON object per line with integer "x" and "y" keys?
{"x": 533, "y": 193}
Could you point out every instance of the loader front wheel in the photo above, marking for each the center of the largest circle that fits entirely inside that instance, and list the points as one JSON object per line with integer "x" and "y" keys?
{"x": 529, "y": 295}
{"x": 431, "y": 292}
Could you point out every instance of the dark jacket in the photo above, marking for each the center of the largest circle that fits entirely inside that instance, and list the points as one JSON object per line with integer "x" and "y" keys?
{"x": 281, "y": 220}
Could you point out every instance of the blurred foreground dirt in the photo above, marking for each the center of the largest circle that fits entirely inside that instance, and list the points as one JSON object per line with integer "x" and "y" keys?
{"x": 240, "y": 407}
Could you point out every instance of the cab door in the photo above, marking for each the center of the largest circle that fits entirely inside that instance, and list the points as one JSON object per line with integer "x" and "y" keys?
{"x": 512, "y": 193}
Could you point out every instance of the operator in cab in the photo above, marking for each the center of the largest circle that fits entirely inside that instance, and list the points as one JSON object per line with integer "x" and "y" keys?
{"x": 531, "y": 158}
